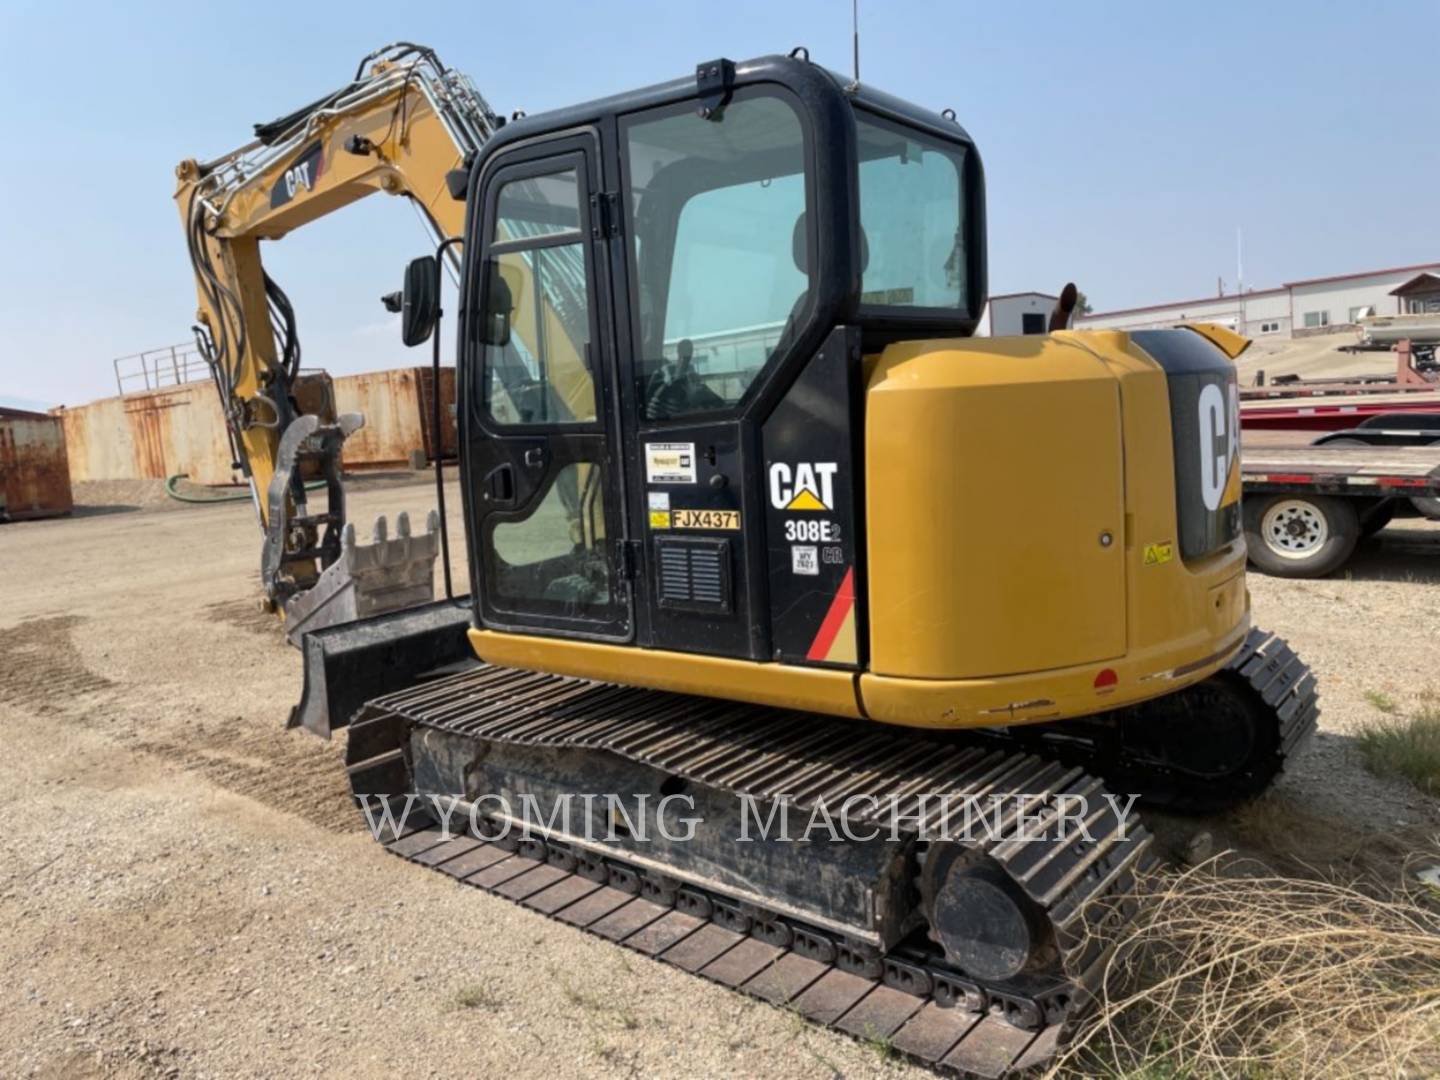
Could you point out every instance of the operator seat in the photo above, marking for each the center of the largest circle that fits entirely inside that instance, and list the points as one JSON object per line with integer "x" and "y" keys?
{"x": 800, "y": 252}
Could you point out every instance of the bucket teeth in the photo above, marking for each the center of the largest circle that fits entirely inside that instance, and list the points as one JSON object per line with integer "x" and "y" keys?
{"x": 385, "y": 575}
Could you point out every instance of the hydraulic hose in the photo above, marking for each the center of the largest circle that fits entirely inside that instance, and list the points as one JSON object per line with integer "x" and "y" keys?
{"x": 200, "y": 500}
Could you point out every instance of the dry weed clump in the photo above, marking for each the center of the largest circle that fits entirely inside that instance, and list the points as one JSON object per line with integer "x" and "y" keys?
{"x": 1233, "y": 971}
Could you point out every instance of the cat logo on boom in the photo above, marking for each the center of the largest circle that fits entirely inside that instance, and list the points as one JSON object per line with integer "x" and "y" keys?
{"x": 300, "y": 177}
{"x": 807, "y": 486}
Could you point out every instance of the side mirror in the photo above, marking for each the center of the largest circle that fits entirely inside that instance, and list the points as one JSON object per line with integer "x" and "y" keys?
{"x": 421, "y": 306}
{"x": 500, "y": 302}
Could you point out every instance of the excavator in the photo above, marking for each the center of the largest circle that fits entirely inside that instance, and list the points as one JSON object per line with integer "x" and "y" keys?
{"x": 762, "y": 539}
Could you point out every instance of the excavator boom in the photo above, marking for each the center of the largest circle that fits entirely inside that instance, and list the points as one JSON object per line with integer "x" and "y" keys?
{"x": 400, "y": 127}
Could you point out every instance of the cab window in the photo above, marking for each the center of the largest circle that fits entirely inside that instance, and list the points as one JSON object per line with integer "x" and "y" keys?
{"x": 537, "y": 357}
{"x": 718, "y": 249}
{"x": 912, "y": 216}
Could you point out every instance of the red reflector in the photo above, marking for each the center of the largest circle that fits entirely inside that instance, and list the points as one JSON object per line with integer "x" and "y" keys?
{"x": 1290, "y": 478}
{"x": 1106, "y": 679}
{"x": 1405, "y": 481}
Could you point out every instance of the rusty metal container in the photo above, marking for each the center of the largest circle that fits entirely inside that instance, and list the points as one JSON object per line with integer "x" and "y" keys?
{"x": 150, "y": 435}
{"x": 154, "y": 434}
{"x": 396, "y": 407}
{"x": 34, "y": 472}
{"x": 449, "y": 436}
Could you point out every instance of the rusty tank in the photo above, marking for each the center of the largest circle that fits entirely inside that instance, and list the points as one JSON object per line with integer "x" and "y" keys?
{"x": 34, "y": 471}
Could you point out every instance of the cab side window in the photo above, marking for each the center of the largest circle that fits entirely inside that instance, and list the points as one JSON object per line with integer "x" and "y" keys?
{"x": 537, "y": 362}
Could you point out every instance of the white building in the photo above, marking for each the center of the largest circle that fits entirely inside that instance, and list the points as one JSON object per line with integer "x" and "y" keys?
{"x": 1009, "y": 314}
{"x": 1297, "y": 308}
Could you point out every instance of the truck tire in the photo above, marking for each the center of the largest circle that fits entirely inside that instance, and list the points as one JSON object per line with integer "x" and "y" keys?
{"x": 1428, "y": 505}
{"x": 1300, "y": 536}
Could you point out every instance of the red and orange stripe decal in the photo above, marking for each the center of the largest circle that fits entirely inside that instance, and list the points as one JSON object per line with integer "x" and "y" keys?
{"x": 835, "y": 640}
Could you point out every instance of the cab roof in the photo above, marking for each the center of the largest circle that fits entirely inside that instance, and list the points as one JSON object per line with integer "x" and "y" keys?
{"x": 809, "y": 81}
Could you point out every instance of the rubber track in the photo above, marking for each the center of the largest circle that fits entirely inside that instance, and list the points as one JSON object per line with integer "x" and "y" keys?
{"x": 938, "y": 1017}
{"x": 944, "y": 1021}
{"x": 1280, "y": 680}
{"x": 1286, "y": 684}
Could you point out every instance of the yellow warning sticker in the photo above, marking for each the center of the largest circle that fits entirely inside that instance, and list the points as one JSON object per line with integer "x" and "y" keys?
{"x": 659, "y": 519}
{"x": 1155, "y": 554}
{"x": 705, "y": 519}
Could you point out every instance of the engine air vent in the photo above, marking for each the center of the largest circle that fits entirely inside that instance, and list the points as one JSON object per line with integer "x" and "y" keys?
{"x": 693, "y": 574}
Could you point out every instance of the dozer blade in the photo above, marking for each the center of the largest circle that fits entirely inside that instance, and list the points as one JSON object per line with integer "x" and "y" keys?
{"x": 348, "y": 664}
{"x": 387, "y": 574}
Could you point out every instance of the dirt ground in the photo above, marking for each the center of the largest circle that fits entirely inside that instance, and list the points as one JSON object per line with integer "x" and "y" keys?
{"x": 188, "y": 891}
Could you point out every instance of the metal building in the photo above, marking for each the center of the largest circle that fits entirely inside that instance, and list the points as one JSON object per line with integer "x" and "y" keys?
{"x": 1008, "y": 314}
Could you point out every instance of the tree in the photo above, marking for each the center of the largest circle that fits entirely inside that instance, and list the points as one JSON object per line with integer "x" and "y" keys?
{"x": 1082, "y": 304}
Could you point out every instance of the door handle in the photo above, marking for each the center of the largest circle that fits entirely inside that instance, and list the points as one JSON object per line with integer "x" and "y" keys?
{"x": 500, "y": 486}
{"x": 535, "y": 457}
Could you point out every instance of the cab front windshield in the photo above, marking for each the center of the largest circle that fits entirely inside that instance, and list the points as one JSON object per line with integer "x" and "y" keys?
{"x": 718, "y": 248}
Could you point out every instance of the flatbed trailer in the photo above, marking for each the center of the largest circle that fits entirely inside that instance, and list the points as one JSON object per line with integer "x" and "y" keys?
{"x": 1289, "y": 403}
{"x": 1307, "y": 506}
{"x": 1335, "y": 406}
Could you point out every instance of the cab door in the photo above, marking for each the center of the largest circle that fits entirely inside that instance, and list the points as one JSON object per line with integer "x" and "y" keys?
{"x": 544, "y": 482}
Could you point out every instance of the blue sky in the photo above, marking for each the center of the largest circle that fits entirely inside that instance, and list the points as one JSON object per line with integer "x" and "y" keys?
{"x": 1123, "y": 142}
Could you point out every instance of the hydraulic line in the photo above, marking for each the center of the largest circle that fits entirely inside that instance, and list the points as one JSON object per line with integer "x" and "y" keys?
{"x": 199, "y": 500}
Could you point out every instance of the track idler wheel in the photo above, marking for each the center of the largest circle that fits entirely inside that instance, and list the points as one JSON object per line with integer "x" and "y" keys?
{"x": 987, "y": 926}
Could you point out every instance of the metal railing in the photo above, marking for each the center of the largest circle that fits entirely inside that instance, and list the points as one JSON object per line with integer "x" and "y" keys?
{"x": 154, "y": 369}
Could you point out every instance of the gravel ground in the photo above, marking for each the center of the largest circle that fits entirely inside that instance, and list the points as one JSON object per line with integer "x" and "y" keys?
{"x": 188, "y": 891}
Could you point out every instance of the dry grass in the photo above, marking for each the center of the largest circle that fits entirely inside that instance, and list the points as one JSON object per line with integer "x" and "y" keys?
{"x": 1233, "y": 971}
{"x": 1405, "y": 745}
{"x": 475, "y": 996}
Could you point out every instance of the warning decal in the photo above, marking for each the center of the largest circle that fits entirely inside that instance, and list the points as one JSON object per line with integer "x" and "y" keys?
{"x": 1155, "y": 554}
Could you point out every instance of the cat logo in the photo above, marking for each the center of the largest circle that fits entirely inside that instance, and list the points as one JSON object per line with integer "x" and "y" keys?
{"x": 1219, "y": 445}
{"x": 807, "y": 486}
{"x": 300, "y": 177}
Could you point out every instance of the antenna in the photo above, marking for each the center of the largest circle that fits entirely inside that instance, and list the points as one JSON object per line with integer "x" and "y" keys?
{"x": 1239, "y": 259}
{"x": 1239, "y": 280}
{"x": 855, "y": 29}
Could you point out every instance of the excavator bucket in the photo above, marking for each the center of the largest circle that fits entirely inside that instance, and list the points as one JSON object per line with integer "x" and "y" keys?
{"x": 387, "y": 574}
